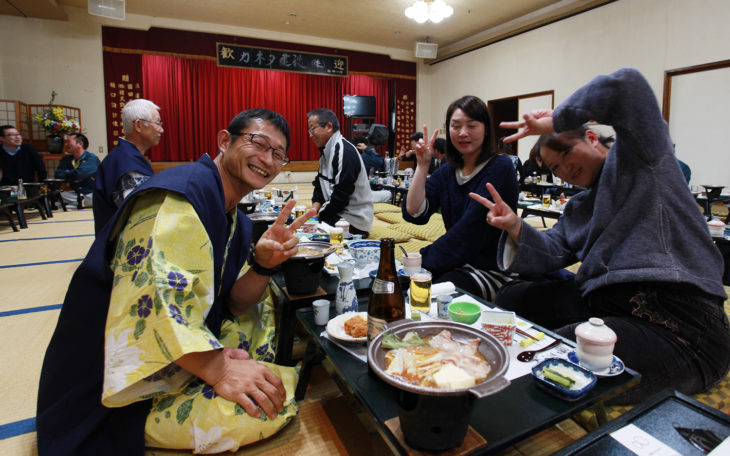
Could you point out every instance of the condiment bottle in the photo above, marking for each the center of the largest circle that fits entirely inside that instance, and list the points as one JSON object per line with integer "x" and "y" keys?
{"x": 21, "y": 190}
{"x": 595, "y": 344}
{"x": 345, "y": 296}
{"x": 386, "y": 298}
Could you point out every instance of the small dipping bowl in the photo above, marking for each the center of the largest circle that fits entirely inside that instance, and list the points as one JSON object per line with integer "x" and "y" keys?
{"x": 464, "y": 312}
{"x": 584, "y": 379}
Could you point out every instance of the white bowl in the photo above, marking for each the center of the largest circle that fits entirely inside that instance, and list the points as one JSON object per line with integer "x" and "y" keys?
{"x": 717, "y": 228}
{"x": 365, "y": 252}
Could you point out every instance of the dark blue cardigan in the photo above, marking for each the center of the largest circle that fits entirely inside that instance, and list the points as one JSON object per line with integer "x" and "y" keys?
{"x": 468, "y": 238}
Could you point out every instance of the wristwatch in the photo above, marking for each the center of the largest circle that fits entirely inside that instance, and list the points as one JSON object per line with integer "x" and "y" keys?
{"x": 257, "y": 268}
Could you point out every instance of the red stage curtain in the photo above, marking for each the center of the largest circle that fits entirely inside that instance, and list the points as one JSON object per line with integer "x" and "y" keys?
{"x": 197, "y": 99}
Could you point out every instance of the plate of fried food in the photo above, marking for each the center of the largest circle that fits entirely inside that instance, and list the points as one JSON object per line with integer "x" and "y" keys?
{"x": 350, "y": 327}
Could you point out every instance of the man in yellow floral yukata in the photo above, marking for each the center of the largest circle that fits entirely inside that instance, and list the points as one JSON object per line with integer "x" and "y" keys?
{"x": 165, "y": 338}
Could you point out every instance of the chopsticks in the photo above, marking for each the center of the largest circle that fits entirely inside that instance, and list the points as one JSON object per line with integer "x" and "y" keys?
{"x": 526, "y": 334}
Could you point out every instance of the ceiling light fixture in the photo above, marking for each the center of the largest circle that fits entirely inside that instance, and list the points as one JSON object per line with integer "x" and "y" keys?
{"x": 429, "y": 10}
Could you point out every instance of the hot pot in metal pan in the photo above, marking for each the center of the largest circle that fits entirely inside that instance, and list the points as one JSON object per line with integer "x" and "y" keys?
{"x": 437, "y": 419}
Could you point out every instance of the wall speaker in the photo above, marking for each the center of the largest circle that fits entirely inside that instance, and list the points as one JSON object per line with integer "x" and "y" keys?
{"x": 426, "y": 50}
{"x": 378, "y": 134}
{"x": 113, "y": 9}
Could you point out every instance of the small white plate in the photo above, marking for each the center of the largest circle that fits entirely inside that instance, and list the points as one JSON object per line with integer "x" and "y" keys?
{"x": 336, "y": 328}
{"x": 616, "y": 368}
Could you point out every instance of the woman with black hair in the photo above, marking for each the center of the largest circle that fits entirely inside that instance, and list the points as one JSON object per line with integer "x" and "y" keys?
{"x": 466, "y": 254}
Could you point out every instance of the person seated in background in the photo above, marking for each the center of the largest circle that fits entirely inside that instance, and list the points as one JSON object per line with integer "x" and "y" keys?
{"x": 18, "y": 160}
{"x": 165, "y": 339}
{"x": 342, "y": 187}
{"x": 409, "y": 155}
{"x": 648, "y": 268}
{"x": 78, "y": 170}
{"x": 439, "y": 155}
{"x": 506, "y": 149}
{"x": 372, "y": 161}
{"x": 535, "y": 167}
{"x": 126, "y": 166}
{"x": 466, "y": 254}
{"x": 686, "y": 171}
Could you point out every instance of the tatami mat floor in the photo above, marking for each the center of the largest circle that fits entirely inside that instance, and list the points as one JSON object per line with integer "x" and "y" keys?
{"x": 36, "y": 265}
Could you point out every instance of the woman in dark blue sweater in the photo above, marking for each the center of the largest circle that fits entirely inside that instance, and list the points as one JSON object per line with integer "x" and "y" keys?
{"x": 466, "y": 254}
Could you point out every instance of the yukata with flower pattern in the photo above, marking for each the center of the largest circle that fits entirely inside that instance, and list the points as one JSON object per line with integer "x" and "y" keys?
{"x": 170, "y": 286}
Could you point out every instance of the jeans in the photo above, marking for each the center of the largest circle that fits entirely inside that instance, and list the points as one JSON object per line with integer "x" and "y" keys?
{"x": 674, "y": 335}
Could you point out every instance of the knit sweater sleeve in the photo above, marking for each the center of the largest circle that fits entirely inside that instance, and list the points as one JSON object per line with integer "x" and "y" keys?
{"x": 623, "y": 100}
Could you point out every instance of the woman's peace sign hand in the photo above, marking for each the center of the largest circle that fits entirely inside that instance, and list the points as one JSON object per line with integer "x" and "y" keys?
{"x": 424, "y": 148}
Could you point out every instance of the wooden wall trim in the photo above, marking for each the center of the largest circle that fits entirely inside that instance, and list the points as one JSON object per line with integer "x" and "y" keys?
{"x": 669, "y": 74}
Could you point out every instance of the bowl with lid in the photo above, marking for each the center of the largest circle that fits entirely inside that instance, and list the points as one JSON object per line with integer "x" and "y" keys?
{"x": 595, "y": 342}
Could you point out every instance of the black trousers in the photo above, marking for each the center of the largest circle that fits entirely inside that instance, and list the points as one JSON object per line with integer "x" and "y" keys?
{"x": 675, "y": 335}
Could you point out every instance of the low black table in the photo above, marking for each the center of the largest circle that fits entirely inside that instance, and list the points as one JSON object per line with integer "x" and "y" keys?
{"x": 288, "y": 304}
{"x": 541, "y": 212}
{"x": 513, "y": 414}
{"x": 671, "y": 417}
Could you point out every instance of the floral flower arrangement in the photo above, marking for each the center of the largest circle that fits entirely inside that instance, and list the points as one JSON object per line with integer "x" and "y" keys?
{"x": 54, "y": 121}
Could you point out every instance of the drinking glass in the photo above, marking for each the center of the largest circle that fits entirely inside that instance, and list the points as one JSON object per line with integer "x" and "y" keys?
{"x": 336, "y": 235}
{"x": 421, "y": 292}
{"x": 546, "y": 200}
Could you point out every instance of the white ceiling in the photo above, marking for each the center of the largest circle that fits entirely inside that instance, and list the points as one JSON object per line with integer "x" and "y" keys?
{"x": 373, "y": 22}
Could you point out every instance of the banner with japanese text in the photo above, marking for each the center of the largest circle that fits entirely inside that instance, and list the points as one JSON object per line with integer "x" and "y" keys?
{"x": 232, "y": 55}
{"x": 122, "y": 83}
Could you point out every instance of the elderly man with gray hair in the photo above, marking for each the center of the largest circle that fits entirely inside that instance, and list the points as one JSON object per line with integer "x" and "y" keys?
{"x": 126, "y": 167}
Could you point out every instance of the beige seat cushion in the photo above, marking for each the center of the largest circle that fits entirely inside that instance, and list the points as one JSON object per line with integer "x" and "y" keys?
{"x": 390, "y": 217}
{"x": 382, "y": 231}
{"x": 385, "y": 207}
{"x": 431, "y": 231}
{"x": 412, "y": 246}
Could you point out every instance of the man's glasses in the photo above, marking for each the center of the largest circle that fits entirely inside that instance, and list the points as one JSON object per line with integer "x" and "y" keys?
{"x": 261, "y": 144}
{"x": 156, "y": 122}
{"x": 311, "y": 129}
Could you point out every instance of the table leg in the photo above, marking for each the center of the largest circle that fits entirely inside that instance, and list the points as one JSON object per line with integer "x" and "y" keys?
{"x": 47, "y": 206}
{"x": 312, "y": 357}
{"x": 9, "y": 215}
{"x": 41, "y": 210}
{"x": 21, "y": 215}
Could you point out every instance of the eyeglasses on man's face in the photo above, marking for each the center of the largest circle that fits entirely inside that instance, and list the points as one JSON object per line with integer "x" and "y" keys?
{"x": 312, "y": 128}
{"x": 261, "y": 144}
{"x": 156, "y": 122}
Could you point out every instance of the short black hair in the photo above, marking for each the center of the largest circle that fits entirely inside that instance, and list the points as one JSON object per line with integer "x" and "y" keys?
{"x": 81, "y": 137}
{"x": 244, "y": 118}
{"x": 440, "y": 145}
{"x": 416, "y": 136}
{"x": 325, "y": 116}
{"x": 360, "y": 139}
{"x": 3, "y": 128}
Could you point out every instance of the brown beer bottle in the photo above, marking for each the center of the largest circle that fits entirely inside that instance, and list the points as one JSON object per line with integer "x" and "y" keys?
{"x": 386, "y": 298}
